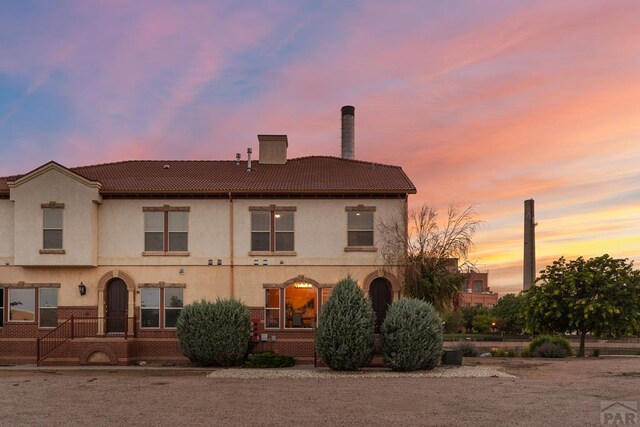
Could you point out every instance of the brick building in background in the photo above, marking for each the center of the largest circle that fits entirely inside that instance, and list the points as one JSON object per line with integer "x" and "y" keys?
{"x": 477, "y": 291}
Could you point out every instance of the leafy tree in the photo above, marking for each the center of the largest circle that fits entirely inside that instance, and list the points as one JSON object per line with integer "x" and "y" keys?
{"x": 508, "y": 314}
{"x": 428, "y": 257}
{"x": 600, "y": 296}
{"x": 482, "y": 322}
{"x": 453, "y": 321}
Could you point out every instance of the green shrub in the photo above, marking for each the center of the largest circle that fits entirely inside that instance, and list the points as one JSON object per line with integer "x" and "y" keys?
{"x": 344, "y": 338}
{"x": 595, "y": 352}
{"x": 549, "y": 349}
{"x": 557, "y": 340}
{"x": 269, "y": 359}
{"x": 215, "y": 333}
{"x": 468, "y": 349}
{"x": 411, "y": 335}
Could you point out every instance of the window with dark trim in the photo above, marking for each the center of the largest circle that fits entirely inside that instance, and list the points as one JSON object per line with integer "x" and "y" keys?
{"x": 360, "y": 228}
{"x": 22, "y": 305}
{"x": 160, "y": 306}
{"x": 173, "y": 303}
{"x": 52, "y": 228}
{"x": 48, "y": 307}
{"x": 150, "y": 308}
{"x": 272, "y": 308}
{"x": 272, "y": 229}
{"x": 166, "y": 229}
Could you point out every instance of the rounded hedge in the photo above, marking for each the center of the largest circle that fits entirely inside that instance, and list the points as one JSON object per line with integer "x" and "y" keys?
{"x": 215, "y": 333}
{"x": 344, "y": 337}
{"x": 556, "y": 340}
{"x": 411, "y": 335}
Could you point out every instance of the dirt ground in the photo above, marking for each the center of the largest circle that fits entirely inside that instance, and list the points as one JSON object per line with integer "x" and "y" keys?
{"x": 544, "y": 392}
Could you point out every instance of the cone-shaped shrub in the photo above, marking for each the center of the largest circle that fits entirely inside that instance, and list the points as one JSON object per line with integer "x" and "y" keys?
{"x": 344, "y": 338}
{"x": 215, "y": 333}
{"x": 411, "y": 335}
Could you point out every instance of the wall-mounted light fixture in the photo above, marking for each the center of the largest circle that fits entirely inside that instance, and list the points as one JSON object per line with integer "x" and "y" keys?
{"x": 265, "y": 262}
{"x": 256, "y": 262}
{"x": 181, "y": 270}
{"x": 219, "y": 262}
{"x": 210, "y": 262}
{"x": 82, "y": 288}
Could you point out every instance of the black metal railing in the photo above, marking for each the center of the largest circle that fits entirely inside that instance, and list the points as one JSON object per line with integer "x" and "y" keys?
{"x": 85, "y": 327}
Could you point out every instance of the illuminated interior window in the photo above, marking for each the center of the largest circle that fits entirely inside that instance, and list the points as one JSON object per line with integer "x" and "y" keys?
{"x": 301, "y": 308}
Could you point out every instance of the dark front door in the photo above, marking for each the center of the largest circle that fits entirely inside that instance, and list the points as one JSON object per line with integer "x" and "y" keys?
{"x": 117, "y": 300}
{"x": 380, "y": 294}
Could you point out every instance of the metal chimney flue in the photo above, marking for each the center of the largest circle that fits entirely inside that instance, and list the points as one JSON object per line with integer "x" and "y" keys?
{"x": 529, "y": 245}
{"x": 249, "y": 151}
{"x": 238, "y": 159}
{"x": 348, "y": 132}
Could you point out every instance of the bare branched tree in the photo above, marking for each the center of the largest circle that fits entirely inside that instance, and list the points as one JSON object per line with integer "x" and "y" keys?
{"x": 428, "y": 255}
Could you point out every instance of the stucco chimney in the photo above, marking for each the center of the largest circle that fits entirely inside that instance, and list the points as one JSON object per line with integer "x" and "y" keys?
{"x": 348, "y": 132}
{"x": 272, "y": 149}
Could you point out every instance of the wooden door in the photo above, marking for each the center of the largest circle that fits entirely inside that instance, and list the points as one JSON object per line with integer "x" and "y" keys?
{"x": 117, "y": 301}
{"x": 380, "y": 294}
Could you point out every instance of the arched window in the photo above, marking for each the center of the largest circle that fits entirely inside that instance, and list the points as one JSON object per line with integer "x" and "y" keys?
{"x": 301, "y": 306}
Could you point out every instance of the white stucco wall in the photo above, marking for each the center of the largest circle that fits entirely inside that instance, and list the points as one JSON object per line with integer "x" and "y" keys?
{"x": 79, "y": 219}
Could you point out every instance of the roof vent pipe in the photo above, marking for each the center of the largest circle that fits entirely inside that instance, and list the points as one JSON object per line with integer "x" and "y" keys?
{"x": 238, "y": 159}
{"x": 248, "y": 159}
{"x": 348, "y": 132}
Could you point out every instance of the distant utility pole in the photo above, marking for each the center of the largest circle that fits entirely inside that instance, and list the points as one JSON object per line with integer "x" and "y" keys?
{"x": 529, "y": 245}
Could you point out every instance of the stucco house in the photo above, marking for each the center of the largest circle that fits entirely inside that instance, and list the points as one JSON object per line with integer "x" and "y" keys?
{"x": 96, "y": 262}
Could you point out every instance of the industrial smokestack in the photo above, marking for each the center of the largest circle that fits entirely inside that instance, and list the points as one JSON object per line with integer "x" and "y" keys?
{"x": 529, "y": 245}
{"x": 348, "y": 132}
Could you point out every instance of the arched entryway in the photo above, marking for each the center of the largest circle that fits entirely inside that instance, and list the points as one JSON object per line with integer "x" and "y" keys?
{"x": 117, "y": 301}
{"x": 380, "y": 294}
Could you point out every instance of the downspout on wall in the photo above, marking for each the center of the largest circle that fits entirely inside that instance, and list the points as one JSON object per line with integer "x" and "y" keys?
{"x": 231, "y": 263}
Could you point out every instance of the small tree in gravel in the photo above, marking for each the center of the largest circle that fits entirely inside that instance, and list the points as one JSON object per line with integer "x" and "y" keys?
{"x": 215, "y": 333}
{"x": 344, "y": 338}
{"x": 411, "y": 335}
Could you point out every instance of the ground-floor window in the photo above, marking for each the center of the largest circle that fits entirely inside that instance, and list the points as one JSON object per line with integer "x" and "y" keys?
{"x": 272, "y": 308}
{"x": 150, "y": 307}
{"x": 22, "y": 305}
{"x": 160, "y": 302}
{"x": 1, "y": 307}
{"x": 300, "y": 301}
{"x": 173, "y": 303}
{"x": 48, "y": 305}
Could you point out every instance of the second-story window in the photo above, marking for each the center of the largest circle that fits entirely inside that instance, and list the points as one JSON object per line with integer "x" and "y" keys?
{"x": 52, "y": 228}
{"x": 272, "y": 229}
{"x": 359, "y": 228}
{"x": 166, "y": 229}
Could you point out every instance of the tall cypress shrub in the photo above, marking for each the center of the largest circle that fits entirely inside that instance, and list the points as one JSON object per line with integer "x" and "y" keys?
{"x": 344, "y": 337}
{"x": 411, "y": 335}
{"x": 215, "y": 333}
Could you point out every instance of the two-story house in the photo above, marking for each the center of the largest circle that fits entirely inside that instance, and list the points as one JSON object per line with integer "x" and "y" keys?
{"x": 98, "y": 261}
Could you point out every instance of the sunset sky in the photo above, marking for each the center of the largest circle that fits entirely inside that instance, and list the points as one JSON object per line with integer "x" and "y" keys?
{"x": 481, "y": 102}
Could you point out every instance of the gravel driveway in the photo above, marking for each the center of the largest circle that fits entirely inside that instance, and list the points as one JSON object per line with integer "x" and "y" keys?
{"x": 505, "y": 392}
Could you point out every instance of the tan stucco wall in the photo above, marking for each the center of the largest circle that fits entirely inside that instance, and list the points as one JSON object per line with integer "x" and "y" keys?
{"x": 320, "y": 239}
{"x": 201, "y": 282}
{"x": 79, "y": 219}
{"x": 121, "y": 232}
{"x": 6, "y": 232}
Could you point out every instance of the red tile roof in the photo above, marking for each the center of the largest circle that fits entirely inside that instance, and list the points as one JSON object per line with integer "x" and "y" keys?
{"x": 317, "y": 174}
